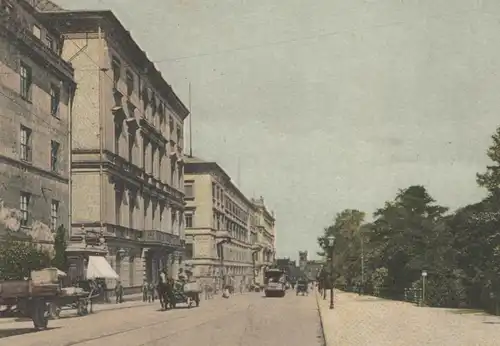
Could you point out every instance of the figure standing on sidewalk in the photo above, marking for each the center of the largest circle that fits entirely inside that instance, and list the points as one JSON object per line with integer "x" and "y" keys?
{"x": 151, "y": 292}
{"x": 119, "y": 292}
{"x": 145, "y": 291}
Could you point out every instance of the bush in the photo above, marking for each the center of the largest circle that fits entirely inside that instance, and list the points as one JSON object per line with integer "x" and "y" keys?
{"x": 19, "y": 257}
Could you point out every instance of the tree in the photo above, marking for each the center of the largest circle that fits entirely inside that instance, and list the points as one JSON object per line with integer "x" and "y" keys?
{"x": 491, "y": 178}
{"x": 60, "y": 259}
{"x": 346, "y": 257}
{"x": 19, "y": 257}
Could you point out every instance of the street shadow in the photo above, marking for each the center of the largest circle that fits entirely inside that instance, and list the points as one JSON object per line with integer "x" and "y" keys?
{"x": 491, "y": 322}
{"x": 6, "y": 333}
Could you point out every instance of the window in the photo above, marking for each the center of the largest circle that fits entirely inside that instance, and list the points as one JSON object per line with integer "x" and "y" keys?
{"x": 118, "y": 206}
{"x": 189, "y": 220}
{"x": 25, "y": 141}
{"x": 131, "y": 207}
{"x": 55, "y": 95}
{"x": 153, "y": 151}
{"x": 172, "y": 172}
{"x": 116, "y": 68}
{"x": 160, "y": 159}
{"x": 37, "y": 32}
{"x": 54, "y": 155}
{"x": 118, "y": 132}
{"x": 131, "y": 271}
{"x": 179, "y": 135}
{"x": 54, "y": 214}
{"x": 24, "y": 208}
{"x": 49, "y": 41}
{"x": 131, "y": 140}
{"x": 130, "y": 82}
{"x": 144, "y": 149}
{"x": 189, "y": 251}
{"x": 26, "y": 81}
{"x": 188, "y": 191}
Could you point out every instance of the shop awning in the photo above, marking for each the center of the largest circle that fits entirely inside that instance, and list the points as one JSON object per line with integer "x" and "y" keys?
{"x": 99, "y": 268}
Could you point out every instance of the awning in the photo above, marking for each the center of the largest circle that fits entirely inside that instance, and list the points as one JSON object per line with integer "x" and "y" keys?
{"x": 99, "y": 268}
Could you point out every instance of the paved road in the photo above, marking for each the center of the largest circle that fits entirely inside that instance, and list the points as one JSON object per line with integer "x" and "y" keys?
{"x": 242, "y": 320}
{"x": 369, "y": 321}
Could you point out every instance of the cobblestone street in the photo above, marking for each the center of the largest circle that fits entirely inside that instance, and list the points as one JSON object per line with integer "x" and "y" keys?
{"x": 248, "y": 319}
{"x": 365, "y": 320}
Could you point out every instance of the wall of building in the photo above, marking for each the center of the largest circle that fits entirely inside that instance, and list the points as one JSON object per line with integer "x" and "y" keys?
{"x": 35, "y": 175}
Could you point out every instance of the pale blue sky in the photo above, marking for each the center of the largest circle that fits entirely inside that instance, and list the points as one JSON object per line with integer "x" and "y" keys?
{"x": 330, "y": 104}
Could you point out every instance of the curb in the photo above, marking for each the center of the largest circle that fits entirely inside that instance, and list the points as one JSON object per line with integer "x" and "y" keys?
{"x": 323, "y": 334}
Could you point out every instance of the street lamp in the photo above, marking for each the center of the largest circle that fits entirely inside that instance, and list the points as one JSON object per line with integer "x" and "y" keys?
{"x": 256, "y": 249}
{"x": 222, "y": 238}
{"x": 424, "y": 276}
{"x": 331, "y": 243}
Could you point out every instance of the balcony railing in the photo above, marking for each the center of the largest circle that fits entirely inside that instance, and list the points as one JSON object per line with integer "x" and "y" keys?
{"x": 163, "y": 238}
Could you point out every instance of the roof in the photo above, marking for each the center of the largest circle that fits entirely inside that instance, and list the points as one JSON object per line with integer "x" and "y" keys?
{"x": 66, "y": 21}
{"x": 191, "y": 162}
{"x": 45, "y": 5}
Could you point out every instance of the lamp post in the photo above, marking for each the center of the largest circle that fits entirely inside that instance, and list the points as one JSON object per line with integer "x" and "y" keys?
{"x": 222, "y": 240}
{"x": 256, "y": 249}
{"x": 424, "y": 276}
{"x": 331, "y": 243}
{"x": 362, "y": 290}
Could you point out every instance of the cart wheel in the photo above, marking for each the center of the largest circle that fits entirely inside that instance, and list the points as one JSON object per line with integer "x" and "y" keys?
{"x": 82, "y": 309}
{"x": 54, "y": 310}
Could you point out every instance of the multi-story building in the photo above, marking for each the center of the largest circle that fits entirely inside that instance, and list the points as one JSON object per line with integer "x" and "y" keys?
{"x": 219, "y": 237}
{"x": 264, "y": 254}
{"x": 127, "y": 148}
{"x": 36, "y": 91}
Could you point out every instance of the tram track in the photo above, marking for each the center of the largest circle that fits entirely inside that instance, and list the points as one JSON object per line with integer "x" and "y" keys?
{"x": 201, "y": 318}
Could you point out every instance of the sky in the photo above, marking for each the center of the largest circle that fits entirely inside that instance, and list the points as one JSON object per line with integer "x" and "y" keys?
{"x": 330, "y": 104}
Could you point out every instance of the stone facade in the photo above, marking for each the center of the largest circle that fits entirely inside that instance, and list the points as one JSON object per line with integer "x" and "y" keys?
{"x": 36, "y": 90}
{"x": 127, "y": 148}
{"x": 219, "y": 234}
{"x": 265, "y": 252}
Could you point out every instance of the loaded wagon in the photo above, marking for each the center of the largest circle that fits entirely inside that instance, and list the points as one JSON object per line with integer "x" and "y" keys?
{"x": 30, "y": 297}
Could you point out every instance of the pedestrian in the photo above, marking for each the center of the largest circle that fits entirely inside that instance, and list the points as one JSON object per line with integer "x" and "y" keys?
{"x": 151, "y": 292}
{"x": 119, "y": 292}
{"x": 145, "y": 290}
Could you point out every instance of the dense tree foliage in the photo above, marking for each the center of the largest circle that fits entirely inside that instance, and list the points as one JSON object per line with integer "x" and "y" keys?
{"x": 459, "y": 250}
{"x": 19, "y": 257}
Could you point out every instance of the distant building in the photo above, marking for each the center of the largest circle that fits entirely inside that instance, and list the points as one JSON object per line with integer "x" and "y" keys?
{"x": 310, "y": 268}
{"x": 219, "y": 235}
{"x": 264, "y": 223}
{"x": 36, "y": 92}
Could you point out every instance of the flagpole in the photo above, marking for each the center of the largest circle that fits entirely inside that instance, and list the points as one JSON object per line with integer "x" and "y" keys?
{"x": 190, "y": 124}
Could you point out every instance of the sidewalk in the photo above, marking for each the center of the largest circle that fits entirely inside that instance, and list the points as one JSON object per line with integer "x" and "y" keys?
{"x": 365, "y": 320}
{"x": 130, "y": 301}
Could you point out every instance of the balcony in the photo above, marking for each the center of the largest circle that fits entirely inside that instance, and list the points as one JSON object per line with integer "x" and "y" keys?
{"x": 121, "y": 164}
{"x": 156, "y": 237}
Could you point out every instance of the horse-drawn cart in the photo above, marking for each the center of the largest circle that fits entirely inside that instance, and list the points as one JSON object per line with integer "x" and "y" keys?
{"x": 188, "y": 293}
{"x": 72, "y": 298}
{"x": 30, "y": 297}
